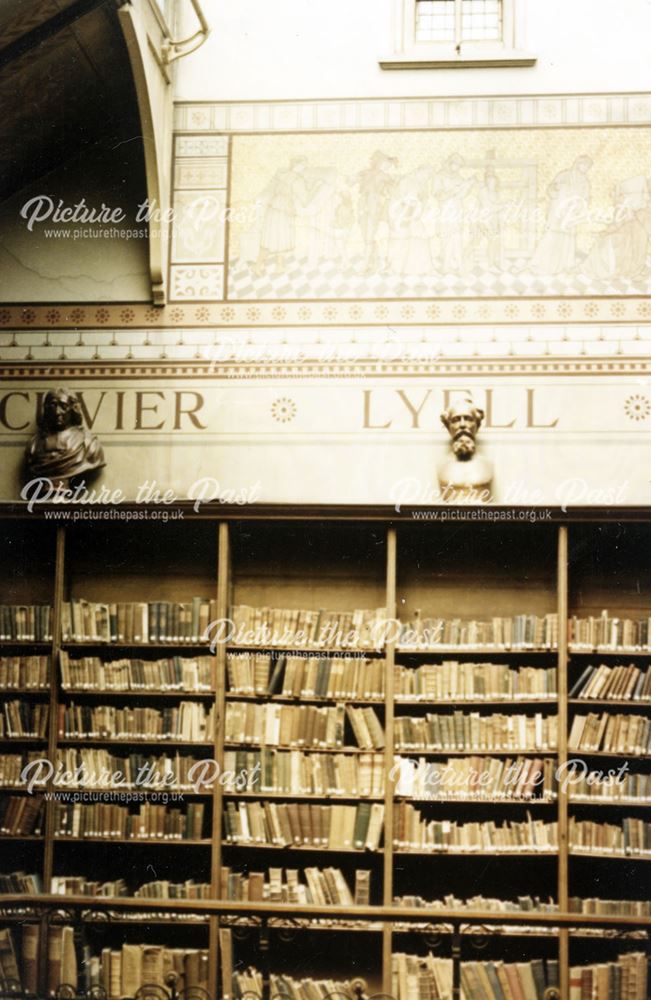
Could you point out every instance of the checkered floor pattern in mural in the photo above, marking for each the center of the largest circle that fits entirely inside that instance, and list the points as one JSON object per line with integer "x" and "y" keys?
{"x": 300, "y": 279}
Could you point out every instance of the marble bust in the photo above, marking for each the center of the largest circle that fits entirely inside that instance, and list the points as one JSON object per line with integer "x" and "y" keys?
{"x": 62, "y": 448}
{"x": 464, "y": 476}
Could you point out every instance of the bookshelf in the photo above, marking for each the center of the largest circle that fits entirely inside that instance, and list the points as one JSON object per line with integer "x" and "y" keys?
{"x": 606, "y": 561}
{"x": 521, "y": 712}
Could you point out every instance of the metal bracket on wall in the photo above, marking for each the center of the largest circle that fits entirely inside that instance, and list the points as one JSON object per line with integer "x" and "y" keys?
{"x": 172, "y": 50}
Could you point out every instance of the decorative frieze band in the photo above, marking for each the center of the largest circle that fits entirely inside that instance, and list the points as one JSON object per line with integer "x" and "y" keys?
{"x": 457, "y": 367}
{"x": 324, "y": 314}
{"x": 405, "y": 113}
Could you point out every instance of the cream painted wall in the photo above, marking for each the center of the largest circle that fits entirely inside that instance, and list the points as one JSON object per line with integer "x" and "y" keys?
{"x": 37, "y": 267}
{"x": 313, "y": 48}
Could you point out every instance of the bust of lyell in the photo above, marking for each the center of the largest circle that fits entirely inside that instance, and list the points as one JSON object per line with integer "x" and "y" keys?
{"x": 464, "y": 476}
{"x": 62, "y": 448}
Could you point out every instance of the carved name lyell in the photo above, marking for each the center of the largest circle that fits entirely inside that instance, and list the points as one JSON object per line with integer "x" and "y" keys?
{"x": 419, "y": 409}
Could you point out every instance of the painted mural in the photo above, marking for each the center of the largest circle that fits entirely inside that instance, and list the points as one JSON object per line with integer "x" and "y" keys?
{"x": 475, "y": 213}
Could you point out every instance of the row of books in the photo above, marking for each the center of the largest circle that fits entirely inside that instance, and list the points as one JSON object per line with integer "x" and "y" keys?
{"x": 520, "y": 778}
{"x": 306, "y": 676}
{"x": 15, "y": 882}
{"x": 190, "y": 621}
{"x": 19, "y": 963}
{"x": 431, "y": 682}
{"x": 625, "y": 979}
{"x": 295, "y": 772}
{"x": 78, "y": 885}
{"x": 337, "y": 827}
{"x": 414, "y": 833}
{"x": 189, "y": 720}
{"x": 452, "y": 680}
{"x": 137, "y": 621}
{"x": 12, "y": 765}
{"x": 619, "y": 683}
{"x": 605, "y": 632}
{"x": 305, "y": 629}
{"x": 367, "y": 728}
{"x": 318, "y": 886}
{"x": 523, "y": 904}
{"x": 297, "y": 886}
{"x": 415, "y": 976}
{"x": 621, "y": 733}
{"x": 175, "y": 673}
{"x": 530, "y": 904}
{"x": 472, "y": 731}
{"x": 594, "y": 786}
{"x": 348, "y": 677}
{"x": 24, "y": 673}
{"x": 630, "y": 836}
{"x": 305, "y": 824}
{"x": 109, "y": 820}
{"x": 249, "y": 984}
{"x": 20, "y": 718}
{"x": 25, "y": 622}
{"x": 611, "y": 907}
{"x": 96, "y": 768}
{"x": 522, "y": 631}
{"x": 21, "y": 815}
{"x": 301, "y": 725}
{"x": 122, "y": 972}
{"x": 286, "y": 886}
{"x": 311, "y": 885}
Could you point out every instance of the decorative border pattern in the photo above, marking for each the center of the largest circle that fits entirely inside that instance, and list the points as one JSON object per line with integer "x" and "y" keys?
{"x": 377, "y": 312}
{"x": 535, "y": 111}
{"x": 239, "y": 371}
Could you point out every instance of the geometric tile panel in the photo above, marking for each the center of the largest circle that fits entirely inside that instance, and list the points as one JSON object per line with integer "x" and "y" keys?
{"x": 196, "y": 282}
{"x": 203, "y": 174}
{"x": 199, "y": 226}
{"x": 199, "y": 219}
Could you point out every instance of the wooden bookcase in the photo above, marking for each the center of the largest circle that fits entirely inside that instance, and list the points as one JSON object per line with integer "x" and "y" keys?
{"x": 454, "y": 569}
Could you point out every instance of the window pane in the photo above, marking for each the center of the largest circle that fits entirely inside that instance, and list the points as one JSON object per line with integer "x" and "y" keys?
{"x": 435, "y": 20}
{"x": 481, "y": 20}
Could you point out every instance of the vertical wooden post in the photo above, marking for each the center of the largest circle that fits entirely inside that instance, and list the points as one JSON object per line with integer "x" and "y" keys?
{"x": 223, "y": 591}
{"x": 456, "y": 962}
{"x": 563, "y": 845}
{"x": 53, "y": 721}
{"x": 390, "y": 657}
{"x": 265, "y": 968}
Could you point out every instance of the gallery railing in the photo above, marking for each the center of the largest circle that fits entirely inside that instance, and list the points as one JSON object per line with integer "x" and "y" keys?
{"x": 438, "y": 926}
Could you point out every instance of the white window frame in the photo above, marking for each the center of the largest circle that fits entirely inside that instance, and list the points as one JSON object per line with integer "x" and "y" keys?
{"x": 410, "y": 53}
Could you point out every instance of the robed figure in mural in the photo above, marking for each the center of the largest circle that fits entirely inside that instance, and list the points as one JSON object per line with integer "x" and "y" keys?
{"x": 283, "y": 198}
{"x": 409, "y": 234}
{"x": 452, "y": 188}
{"x": 621, "y": 250}
{"x": 376, "y": 185}
{"x": 569, "y": 200}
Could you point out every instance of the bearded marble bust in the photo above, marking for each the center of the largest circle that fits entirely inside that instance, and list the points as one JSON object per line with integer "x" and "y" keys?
{"x": 464, "y": 476}
{"x": 62, "y": 448}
